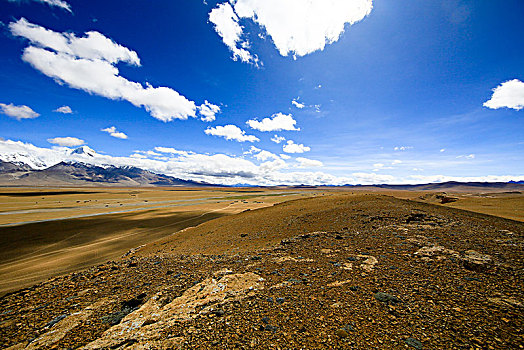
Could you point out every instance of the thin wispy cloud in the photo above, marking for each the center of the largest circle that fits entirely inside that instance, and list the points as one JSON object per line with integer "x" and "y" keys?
{"x": 66, "y": 141}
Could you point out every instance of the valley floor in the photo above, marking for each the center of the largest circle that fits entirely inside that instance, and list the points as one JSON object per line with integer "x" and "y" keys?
{"x": 337, "y": 271}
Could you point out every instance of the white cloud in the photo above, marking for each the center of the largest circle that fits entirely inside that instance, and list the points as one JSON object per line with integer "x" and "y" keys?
{"x": 208, "y": 111}
{"x": 285, "y": 156}
{"x": 378, "y": 165}
{"x": 442, "y": 150}
{"x": 396, "y": 162}
{"x": 216, "y": 168}
{"x": 66, "y": 141}
{"x": 226, "y": 25}
{"x": 509, "y": 94}
{"x": 58, "y": 3}
{"x": 277, "y": 122}
{"x": 265, "y": 155}
{"x": 115, "y": 133}
{"x": 138, "y": 155}
{"x": 402, "y": 148}
{"x": 89, "y": 63}
{"x": 64, "y": 110}
{"x": 261, "y": 154}
{"x": 308, "y": 163}
{"x": 296, "y": 27}
{"x": 231, "y": 132}
{"x": 466, "y": 156}
{"x": 170, "y": 150}
{"x": 292, "y": 147}
{"x": 18, "y": 112}
{"x": 297, "y": 104}
{"x": 278, "y": 139}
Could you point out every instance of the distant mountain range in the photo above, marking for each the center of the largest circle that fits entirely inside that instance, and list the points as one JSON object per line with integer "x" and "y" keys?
{"x": 83, "y": 166}
{"x": 21, "y": 170}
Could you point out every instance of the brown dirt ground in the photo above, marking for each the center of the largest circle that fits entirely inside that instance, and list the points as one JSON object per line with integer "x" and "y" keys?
{"x": 337, "y": 271}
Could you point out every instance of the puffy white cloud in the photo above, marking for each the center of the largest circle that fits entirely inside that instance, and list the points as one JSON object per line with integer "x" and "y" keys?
{"x": 66, "y": 141}
{"x": 285, "y": 156}
{"x": 64, "y": 110}
{"x": 396, "y": 162}
{"x": 509, "y": 94}
{"x": 308, "y": 163}
{"x": 277, "y": 122}
{"x": 296, "y": 27}
{"x": 278, "y": 139}
{"x": 115, "y": 133}
{"x": 93, "y": 46}
{"x": 231, "y": 132}
{"x": 88, "y": 63}
{"x": 297, "y": 104}
{"x": 208, "y": 111}
{"x": 57, "y": 3}
{"x": 402, "y": 148}
{"x": 215, "y": 168}
{"x": 18, "y": 112}
{"x": 292, "y": 147}
{"x": 261, "y": 154}
{"x": 226, "y": 25}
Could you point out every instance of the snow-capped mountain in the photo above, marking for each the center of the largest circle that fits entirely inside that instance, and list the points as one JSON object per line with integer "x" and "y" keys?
{"x": 80, "y": 166}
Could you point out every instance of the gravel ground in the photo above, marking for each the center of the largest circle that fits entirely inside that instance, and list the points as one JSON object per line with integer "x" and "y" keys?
{"x": 337, "y": 272}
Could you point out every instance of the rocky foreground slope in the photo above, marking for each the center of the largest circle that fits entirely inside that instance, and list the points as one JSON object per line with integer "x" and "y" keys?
{"x": 335, "y": 272}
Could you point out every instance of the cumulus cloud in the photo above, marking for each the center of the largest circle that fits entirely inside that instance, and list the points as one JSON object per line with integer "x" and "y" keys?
{"x": 297, "y": 104}
{"x": 57, "y": 3}
{"x": 308, "y": 163}
{"x": 277, "y": 122}
{"x": 208, "y": 111}
{"x": 115, "y": 133}
{"x": 18, "y": 112}
{"x": 509, "y": 94}
{"x": 66, "y": 141}
{"x": 231, "y": 132}
{"x": 64, "y": 110}
{"x": 285, "y": 156}
{"x": 278, "y": 139}
{"x": 261, "y": 154}
{"x": 88, "y": 63}
{"x": 296, "y": 27}
{"x": 216, "y": 168}
{"x": 226, "y": 25}
{"x": 292, "y": 147}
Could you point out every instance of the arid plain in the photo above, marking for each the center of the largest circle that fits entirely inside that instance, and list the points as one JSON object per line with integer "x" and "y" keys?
{"x": 310, "y": 268}
{"x": 47, "y": 232}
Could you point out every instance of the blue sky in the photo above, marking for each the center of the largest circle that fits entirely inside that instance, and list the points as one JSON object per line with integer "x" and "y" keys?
{"x": 398, "y": 96}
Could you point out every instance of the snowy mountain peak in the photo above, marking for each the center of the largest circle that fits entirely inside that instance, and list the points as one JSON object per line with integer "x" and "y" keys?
{"x": 84, "y": 150}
